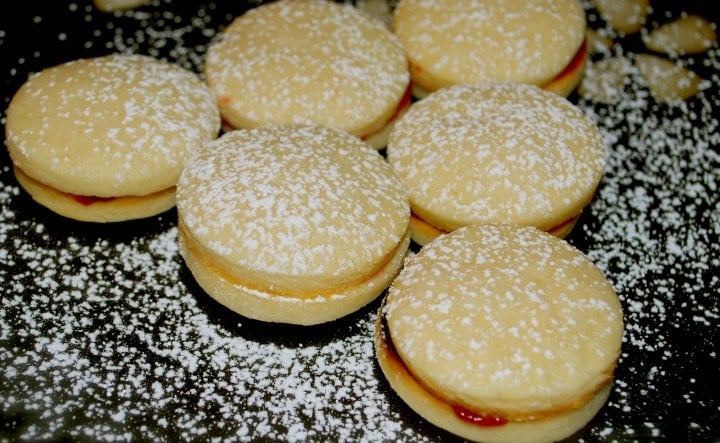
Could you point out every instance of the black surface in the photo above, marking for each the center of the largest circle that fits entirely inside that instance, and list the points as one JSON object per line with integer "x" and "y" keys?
{"x": 105, "y": 336}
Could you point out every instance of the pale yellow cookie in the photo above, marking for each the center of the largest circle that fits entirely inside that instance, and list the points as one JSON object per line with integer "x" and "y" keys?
{"x": 496, "y": 153}
{"x": 448, "y": 42}
{"x": 104, "y": 139}
{"x": 501, "y": 333}
{"x": 310, "y": 62}
{"x": 298, "y": 225}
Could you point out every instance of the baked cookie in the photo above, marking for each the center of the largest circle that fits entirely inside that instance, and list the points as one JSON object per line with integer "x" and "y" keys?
{"x": 447, "y": 42}
{"x": 501, "y": 333}
{"x": 299, "y": 225}
{"x": 104, "y": 139}
{"x": 500, "y": 153}
{"x": 318, "y": 62}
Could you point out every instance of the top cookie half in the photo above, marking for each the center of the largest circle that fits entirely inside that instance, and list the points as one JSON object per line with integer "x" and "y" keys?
{"x": 112, "y": 126}
{"x": 450, "y": 42}
{"x": 308, "y": 62}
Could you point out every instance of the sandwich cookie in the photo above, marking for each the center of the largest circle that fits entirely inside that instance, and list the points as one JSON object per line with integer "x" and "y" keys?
{"x": 310, "y": 62}
{"x": 298, "y": 225}
{"x": 447, "y": 42}
{"x": 500, "y": 153}
{"x": 104, "y": 139}
{"x": 501, "y": 333}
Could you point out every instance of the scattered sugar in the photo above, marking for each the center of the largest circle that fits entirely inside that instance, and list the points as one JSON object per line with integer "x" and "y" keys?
{"x": 91, "y": 360}
{"x": 656, "y": 237}
{"x": 108, "y": 339}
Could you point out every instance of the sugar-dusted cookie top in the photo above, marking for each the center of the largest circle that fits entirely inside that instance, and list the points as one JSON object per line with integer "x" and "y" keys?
{"x": 110, "y": 126}
{"x": 293, "y": 209}
{"x": 308, "y": 62}
{"x": 489, "y": 40}
{"x": 505, "y": 320}
{"x": 497, "y": 153}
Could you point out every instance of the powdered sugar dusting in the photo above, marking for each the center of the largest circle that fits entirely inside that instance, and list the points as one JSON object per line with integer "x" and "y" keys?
{"x": 103, "y": 335}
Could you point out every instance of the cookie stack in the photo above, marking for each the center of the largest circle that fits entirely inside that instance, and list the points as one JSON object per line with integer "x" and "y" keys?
{"x": 319, "y": 146}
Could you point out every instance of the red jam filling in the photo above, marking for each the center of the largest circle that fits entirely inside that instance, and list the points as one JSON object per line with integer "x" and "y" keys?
{"x": 88, "y": 200}
{"x": 477, "y": 419}
{"x": 404, "y": 102}
{"x": 462, "y": 413}
{"x": 576, "y": 61}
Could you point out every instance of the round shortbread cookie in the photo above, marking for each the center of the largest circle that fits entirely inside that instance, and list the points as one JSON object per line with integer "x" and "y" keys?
{"x": 310, "y": 62}
{"x": 502, "y": 153}
{"x": 507, "y": 326}
{"x": 104, "y": 139}
{"x": 450, "y": 42}
{"x": 292, "y": 224}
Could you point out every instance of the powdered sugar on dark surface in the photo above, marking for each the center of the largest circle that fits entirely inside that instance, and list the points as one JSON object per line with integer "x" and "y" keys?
{"x": 105, "y": 336}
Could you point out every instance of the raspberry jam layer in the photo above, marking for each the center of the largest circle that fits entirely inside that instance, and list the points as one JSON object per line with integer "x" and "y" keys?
{"x": 477, "y": 419}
